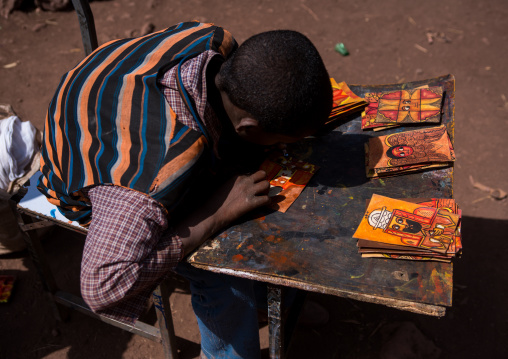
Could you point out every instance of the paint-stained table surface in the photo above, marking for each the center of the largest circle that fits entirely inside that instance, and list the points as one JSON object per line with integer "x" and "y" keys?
{"x": 311, "y": 245}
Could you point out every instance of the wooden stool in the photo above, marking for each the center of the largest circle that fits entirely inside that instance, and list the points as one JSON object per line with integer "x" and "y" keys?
{"x": 36, "y": 213}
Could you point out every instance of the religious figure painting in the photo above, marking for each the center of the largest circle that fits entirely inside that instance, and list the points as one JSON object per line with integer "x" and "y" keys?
{"x": 407, "y": 224}
{"x": 408, "y": 151}
{"x": 390, "y": 109}
{"x": 369, "y": 248}
{"x": 288, "y": 177}
{"x": 411, "y": 106}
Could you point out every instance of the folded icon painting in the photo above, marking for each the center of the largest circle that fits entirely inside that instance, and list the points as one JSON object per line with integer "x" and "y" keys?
{"x": 397, "y": 108}
{"x": 410, "y": 106}
{"x": 408, "y": 151}
{"x": 344, "y": 101}
{"x": 406, "y": 224}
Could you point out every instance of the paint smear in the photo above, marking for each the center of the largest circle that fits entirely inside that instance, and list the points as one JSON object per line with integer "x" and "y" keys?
{"x": 272, "y": 239}
{"x": 279, "y": 258}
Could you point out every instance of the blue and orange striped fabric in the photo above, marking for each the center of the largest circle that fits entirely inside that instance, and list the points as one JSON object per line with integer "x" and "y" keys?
{"x": 109, "y": 122}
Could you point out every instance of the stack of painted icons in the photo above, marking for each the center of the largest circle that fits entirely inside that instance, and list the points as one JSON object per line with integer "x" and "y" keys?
{"x": 414, "y": 229}
{"x": 344, "y": 101}
{"x": 408, "y": 151}
{"x": 396, "y": 108}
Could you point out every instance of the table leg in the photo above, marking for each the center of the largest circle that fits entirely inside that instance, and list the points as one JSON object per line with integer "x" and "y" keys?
{"x": 86, "y": 24}
{"x": 163, "y": 309}
{"x": 41, "y": 264}
{"x": 275, "y": 322}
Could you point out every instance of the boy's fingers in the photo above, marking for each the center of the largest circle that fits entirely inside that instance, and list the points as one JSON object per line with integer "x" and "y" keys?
{"x": 258, "y": 176}
{"x": 261, "y": 187}
{"x": 259, "y": 201}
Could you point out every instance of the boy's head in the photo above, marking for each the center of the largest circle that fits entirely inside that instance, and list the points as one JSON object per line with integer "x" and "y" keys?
{"x": 275, "y": 87}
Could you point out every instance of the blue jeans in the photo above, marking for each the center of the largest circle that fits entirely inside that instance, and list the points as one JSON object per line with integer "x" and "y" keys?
{"x": 226, "y": 309}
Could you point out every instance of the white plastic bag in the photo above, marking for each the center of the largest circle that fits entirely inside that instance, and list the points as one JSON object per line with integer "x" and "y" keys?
{"x": 18, "y": 145}
{"x": 19, "y": 160}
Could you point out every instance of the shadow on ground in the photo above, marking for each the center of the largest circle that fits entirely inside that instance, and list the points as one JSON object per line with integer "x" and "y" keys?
{"x": 364, "y": 330}
{"x": 37, "y": 334}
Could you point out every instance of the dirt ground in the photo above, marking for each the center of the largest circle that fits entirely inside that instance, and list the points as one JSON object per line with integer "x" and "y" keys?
{"x": 387, "y": 42}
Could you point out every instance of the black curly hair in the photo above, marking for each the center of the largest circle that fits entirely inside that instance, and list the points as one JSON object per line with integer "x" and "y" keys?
{"x": 279, "y": 78}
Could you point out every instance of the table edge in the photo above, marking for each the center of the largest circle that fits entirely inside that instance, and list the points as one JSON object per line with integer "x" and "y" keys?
{"x": 419, "y": 308}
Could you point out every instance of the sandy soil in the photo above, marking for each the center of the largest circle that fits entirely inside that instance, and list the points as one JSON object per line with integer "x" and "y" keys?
{"x": 387, "y": 43}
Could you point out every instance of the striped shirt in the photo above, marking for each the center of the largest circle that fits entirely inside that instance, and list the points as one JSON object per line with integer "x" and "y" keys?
{"x": 109, "y": 122}
{"x": 130, "y": 149}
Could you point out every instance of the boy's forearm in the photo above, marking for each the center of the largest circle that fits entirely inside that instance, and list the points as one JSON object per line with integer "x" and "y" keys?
{"x": 198, "y": 227}
{"x": 235, "y": 198}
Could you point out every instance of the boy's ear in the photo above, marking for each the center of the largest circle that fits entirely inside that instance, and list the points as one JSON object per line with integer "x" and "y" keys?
{"x": 246, "y": 125}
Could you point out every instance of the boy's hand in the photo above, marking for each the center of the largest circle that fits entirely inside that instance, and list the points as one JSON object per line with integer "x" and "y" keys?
{"x": 235, "y": 198}
{"x": 239, "y": 196}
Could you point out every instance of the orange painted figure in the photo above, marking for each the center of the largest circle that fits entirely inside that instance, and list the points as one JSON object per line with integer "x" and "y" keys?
{"x": 425, "y": 227}
{"x": 290, "y": 175}
{"x": 403, "y": 223}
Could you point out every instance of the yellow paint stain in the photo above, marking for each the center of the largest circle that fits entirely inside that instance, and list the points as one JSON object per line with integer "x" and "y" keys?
{"x": 407, "y": 287}
{"x": 357, "y": 276}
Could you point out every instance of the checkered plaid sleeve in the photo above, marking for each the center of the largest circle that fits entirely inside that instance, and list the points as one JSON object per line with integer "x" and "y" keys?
{"x": 128, "y": 251}
{"x": 193, "y": 74}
